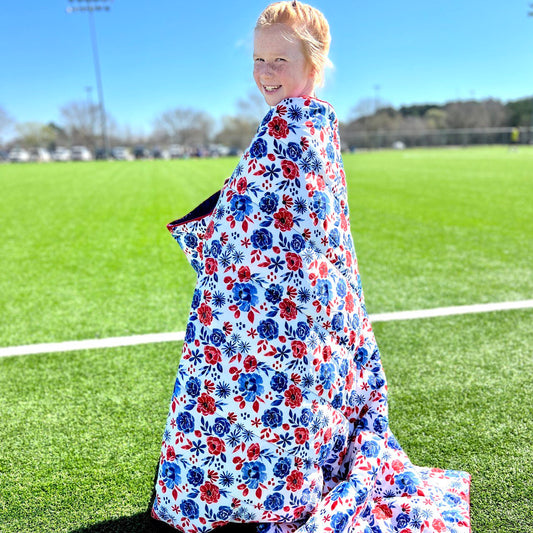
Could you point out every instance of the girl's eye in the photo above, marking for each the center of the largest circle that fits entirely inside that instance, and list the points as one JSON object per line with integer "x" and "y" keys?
{"x": 258, "y": 59}
{"x": 280, "y": 59}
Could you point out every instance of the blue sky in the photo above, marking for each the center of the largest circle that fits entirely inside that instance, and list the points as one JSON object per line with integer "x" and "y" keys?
{"x": 169, "y": 53}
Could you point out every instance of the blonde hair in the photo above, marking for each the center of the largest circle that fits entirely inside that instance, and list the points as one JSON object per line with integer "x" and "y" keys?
{"x": 309, "y": 25}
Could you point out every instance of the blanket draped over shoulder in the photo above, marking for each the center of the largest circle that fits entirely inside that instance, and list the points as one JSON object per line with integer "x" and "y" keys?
{"x": 279, "y": 412}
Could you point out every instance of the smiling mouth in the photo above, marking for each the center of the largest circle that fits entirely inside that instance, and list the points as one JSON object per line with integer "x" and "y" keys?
{"x": 271, "y": 88}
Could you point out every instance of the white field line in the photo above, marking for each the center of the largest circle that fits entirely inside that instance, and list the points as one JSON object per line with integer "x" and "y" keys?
{"x": 150, "y": 338}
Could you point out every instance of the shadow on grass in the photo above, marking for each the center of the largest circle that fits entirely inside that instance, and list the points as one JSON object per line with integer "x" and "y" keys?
{"x": 139, "y": 523}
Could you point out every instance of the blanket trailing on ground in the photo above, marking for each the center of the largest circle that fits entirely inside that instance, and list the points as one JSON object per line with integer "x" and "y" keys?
{"x": 279, "y": 412}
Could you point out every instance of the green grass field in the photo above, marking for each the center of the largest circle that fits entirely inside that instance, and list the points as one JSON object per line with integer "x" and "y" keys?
{"x": 85, "y": 253}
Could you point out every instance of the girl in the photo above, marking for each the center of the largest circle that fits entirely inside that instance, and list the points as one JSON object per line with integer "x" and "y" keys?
{"x": 279, "y": 412}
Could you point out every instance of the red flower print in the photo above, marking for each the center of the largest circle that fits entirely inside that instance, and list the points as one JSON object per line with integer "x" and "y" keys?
{"x": 241, "y": 185}
{"x": 215, "y": 445}
{"x": 397, "y": 466}
{"x": 205, "y": 315}
{"x": 212, "y": 355}
{"x": 254, "y": 451}
{"x": 283, "y": 220}
{"x": 301, "y": 435}
{"x": 250, "y": 363}
{"x": 205, "y": 404}
{"x": 323, "y": 269}
{"x": 171, "y": 454}
{"x": 209, "y": 493}
{"x": 382, "y": 511}
{"x": 299, "y": 349}
{"x": 277, "y": 128}
{"x": 290, "y": 169}
{"x": 326, "y": 353}
{"x": 287, "y": 309}
{"x": 211, "y": 266}
{"x": 295, "y": 480}
{"x": 438, "y": 525}
{"x": 293, "y": 397}
{"x": 294, "y": 261}
{"x": 244, "y": 274}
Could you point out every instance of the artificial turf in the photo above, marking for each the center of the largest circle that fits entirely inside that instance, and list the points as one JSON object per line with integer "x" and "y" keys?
{"x": 85, "y": 253}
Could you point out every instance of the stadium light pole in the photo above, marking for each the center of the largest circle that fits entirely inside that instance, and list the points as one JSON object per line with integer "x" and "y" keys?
{"x": 90, "y": 6}
{"x": 530, "y": 14}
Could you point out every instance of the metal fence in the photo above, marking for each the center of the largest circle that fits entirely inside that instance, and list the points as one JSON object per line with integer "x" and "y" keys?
{"x": 353, "y": 140}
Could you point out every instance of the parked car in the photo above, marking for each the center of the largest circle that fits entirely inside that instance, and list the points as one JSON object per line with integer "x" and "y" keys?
{"x": 19, "y": 155}
{"x": 140, "y": 152}
{"x": 40, "y": 154}
{"x": 80, "y": 153}
{"x": 160, "y": 153}
{"x": 61, "y": 154}
{"x": 121, "y": 153}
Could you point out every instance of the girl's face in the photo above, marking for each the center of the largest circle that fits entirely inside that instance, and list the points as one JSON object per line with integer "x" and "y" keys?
{"x": 280, "y": 67}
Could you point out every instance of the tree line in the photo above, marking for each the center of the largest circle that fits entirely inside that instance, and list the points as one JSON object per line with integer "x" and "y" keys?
{"x": 188, "y": 127}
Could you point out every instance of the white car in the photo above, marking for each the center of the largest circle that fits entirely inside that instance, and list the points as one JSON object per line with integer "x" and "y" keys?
{"x": 18, "y": 155}
{"x": 121, "y": 153}
{"x": 61, "y": 154}
{"x": 41, "y": 155}
{"x": 80, "y": 153}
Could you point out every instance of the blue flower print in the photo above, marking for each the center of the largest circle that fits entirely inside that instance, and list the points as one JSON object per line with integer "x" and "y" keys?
{"x": 274, "y": 502}
{"x": 337, "y": 401}
{"x": 262, "y": 239}
{"x": 251, "y": 385}
{"x": 195, "y": 476}
{"x": 191, "y": 240}
{"x": 361, "y": 357}
{"x": 306, "y": 417}
{"x": 190, "y": 332}
{"x": 361, "y": 495}
{"x": 171, "y": 474}
{"x": 327, "y": 375}
{"x": 253, "y": 473}
{"x": 196, "y": 297}
{"x": 245, "y": 295}
{"x": 240, "y": 206}
{"x": 452, "y": 516}
{"x": 337, "y": 322}
{"x": 321, "y": 204}
{"x": 407, "y": 482}
{"x": 376, "y": 381}
{"x": 269, "y": 203}
{"x": 297, "y": 243}
{"x": 370, "y": 449}
{"x": 330, "y": 151}
{"x": 334, "y": 237}
{"x": 402, "y": 520}
{"x": 272, "y": 418}
{"x": 259, "y": 149}
{"x": 323, "y": 288}
{"x": 294, "y": 151}
{"x": 221, "y": 426}
{"x": 452, "y": 499}
{"x": 217, "y": 337}
{"x": 279, "y": 382}
{"x": 215, "y": 249}
{"x": 338, "y": 443}
{"x": 339, "y": 522}
{"x": 193, "y": 387}
{"x": 274, "y": 293}
{"x": 302, "y": 330}
{"x": 268, "y": 329}
{"x": 341, "y": 288}
{"x": 381, "y": 423}
{"x": 224, "y": 512}
{"x": 282, "y": 467}
{"x": 185, "y": 422}
{"x": 190, "y": 509}
{"x": 340, "y": 491}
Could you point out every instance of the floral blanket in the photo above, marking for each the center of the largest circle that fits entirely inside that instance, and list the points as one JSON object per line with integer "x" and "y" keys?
{"x": 279, "y": 412}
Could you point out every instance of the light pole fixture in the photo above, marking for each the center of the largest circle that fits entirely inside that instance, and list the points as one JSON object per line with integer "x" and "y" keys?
{"x": 90, "y": 6}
